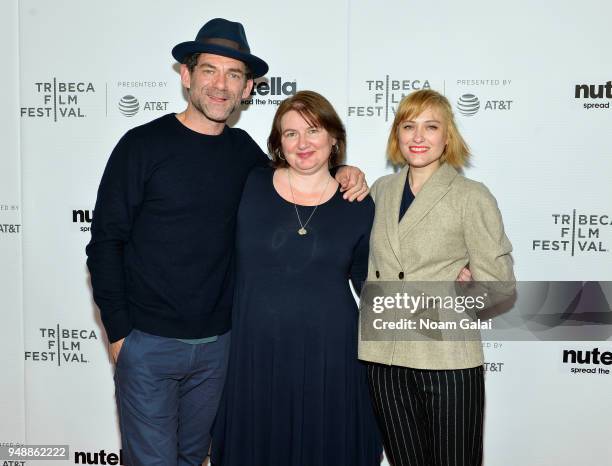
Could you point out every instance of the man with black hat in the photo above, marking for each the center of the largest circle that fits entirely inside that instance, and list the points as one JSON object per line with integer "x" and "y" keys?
{"x": 161, "y": 251}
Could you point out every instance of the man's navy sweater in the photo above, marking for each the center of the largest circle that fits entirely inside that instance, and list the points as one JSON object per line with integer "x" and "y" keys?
{"x": 162, "y": 236}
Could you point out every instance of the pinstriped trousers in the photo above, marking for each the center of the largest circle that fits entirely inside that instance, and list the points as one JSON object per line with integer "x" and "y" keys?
{"x": 429, "y": 417}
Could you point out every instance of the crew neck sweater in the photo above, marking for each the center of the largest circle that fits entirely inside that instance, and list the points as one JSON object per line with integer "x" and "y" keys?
{"x": 162, "y": 234}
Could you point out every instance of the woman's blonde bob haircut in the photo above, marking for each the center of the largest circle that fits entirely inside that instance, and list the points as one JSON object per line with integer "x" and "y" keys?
{"x": 456, "y": 152}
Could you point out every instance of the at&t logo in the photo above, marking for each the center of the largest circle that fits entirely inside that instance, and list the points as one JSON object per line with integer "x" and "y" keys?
{"x": 469, "y": 105}
{"x": 10, "y": 228}
{"x": 494, "y": 366}
{"x": 129, "y": 106}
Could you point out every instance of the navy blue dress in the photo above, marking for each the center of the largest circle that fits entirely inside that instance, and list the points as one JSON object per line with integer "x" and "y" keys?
{"x": 296, "y": 395}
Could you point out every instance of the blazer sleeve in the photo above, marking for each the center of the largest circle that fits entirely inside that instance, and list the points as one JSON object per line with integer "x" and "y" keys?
{"x": 487, "y": 244}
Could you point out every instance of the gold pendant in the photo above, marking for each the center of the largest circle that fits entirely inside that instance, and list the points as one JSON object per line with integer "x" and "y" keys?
{"x": 302, "y": 231}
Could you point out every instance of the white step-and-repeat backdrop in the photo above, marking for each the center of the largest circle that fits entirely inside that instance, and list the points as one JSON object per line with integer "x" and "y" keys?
{"x": 530, "y": 82}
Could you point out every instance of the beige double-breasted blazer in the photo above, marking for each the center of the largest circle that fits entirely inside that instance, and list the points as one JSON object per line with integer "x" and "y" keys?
{"x": 452, "y": 222}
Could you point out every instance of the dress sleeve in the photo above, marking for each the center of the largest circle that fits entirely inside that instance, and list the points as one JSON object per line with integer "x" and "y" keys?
{"x": 120, "y": 196}
{"x": 359, "y": 265}
{"x": 487, "y": 244}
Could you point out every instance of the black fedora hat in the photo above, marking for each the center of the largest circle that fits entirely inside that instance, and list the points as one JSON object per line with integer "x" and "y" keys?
{"x": 222, "y": 37}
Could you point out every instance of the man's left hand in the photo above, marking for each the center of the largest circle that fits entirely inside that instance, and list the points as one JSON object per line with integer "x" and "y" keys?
{"x": 352, "y": 183}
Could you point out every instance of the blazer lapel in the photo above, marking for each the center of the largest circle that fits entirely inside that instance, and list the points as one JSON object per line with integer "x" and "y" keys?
{"x": 433, "y": 190}
{"x": 393, "y": 199}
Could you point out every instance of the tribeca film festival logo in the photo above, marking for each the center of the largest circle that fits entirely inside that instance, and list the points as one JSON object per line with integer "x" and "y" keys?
{"x": 594, "y": 93}
{"x": 270, "y": 91}
{"x": 62, "y": 346}
{"x": 385, "y": 95}
{"x": 594, "y": 361}
{"x": 469, "y": 103}
{"x": 59, "y": 100}
{"x": 146, "y": 100}
{"x": 83, "y": 217}
{"x": 578, "y": 233}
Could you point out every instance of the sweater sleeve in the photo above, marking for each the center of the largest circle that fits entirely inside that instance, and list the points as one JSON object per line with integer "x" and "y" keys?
{"x": 120, "y": 196}
{"x": 258, "y": 156}
{"x": 261, "y": 159}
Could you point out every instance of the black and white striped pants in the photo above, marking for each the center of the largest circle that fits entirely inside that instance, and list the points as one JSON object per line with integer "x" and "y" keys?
{"x": 429, "y": 417}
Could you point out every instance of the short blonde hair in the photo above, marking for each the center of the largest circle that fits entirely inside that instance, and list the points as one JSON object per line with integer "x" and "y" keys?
{"x": 456, "y": 152}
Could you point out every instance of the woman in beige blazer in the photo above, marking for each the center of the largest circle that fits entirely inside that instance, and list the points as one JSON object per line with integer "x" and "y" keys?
{"x": 430, "y": 223}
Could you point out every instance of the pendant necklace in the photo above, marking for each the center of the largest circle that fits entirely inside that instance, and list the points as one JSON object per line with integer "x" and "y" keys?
{"x": 302, "y": 231}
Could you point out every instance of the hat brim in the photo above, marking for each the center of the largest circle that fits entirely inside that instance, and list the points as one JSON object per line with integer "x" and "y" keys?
{"x": 257, "y": 66}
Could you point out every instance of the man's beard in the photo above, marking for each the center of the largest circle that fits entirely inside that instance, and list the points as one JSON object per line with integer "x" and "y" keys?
{"x": 198, "y": 106}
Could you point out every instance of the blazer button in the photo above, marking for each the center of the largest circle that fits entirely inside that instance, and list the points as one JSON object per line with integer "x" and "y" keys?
{"x": 377, "y": 274}
{"x": 401, "y": 275}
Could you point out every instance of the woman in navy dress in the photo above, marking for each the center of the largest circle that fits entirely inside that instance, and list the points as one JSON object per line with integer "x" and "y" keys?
{"x": 296, "y": 395}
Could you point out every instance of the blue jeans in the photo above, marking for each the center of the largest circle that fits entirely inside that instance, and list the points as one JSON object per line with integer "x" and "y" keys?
{"x": 167, "y": 395}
